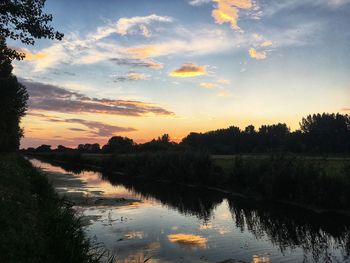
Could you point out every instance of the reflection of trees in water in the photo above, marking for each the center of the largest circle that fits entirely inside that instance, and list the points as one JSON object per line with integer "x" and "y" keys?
{"x": 68, "y": 166}
{"x": 187, "y": 200}
{"x": 319, "y": 236}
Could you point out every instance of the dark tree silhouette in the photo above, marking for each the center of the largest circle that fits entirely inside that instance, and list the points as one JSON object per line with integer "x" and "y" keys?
{"x": 326, "y": 132}
{"x": 13, "y": 102}
{"x": 25, "y": 21}
{"x": 319, "y": 133}
{"x": 89, "y": 148}
{"x": 43, "y": 148}
{"x": 118, "y": 144}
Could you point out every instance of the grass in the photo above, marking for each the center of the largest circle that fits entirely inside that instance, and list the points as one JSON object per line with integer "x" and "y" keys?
{"x": 318, "y": 182}
{"x": 35, "y": 224}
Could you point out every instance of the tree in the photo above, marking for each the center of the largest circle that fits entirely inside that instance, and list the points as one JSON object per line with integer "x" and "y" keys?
{"x": 43, "y": 148}
{"x": 13, "y": 104}
{"x": 118, "y": 144}
{"x": 25, "y": 21}
{"x": 326, "y": 132}
{"x": 89, "y": 148}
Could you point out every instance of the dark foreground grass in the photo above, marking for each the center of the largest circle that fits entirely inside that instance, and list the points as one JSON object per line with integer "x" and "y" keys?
{"x": 309, "y": 182}
{"x": 35, "y": 224}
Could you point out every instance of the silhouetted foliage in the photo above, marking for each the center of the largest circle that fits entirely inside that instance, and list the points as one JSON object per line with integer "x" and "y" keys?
{"x": 36, "y": 225}
{"x": 295, "y": 179}
{"x": 118, "y": 144}
{"x": 182, "y": 167}
{"x": 22, "y": 20}
{"x": 163, "y": 143}
{"x": 89, "y": 148}
{"x": 319, "y": 133}
{"x": 326, "y": 132}
{"x": 43, "y": 148}
{"x": 13, "y": 104}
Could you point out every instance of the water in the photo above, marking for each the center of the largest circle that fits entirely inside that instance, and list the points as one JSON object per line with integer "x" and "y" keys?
{"x": 169, "y": 223}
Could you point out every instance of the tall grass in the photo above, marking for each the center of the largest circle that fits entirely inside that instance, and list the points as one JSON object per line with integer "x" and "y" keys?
{"x": 295, "y": 179}
{"x": 35, "y": 224}
{"x": 192, "y": 167}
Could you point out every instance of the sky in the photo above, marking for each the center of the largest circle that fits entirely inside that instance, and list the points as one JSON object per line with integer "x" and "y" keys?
{"x": 142, "y": 68}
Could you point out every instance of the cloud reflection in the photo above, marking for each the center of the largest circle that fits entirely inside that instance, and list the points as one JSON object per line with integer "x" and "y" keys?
{"x": 188, "y": 240}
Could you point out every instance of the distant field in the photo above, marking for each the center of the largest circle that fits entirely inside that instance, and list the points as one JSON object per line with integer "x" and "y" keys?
{"x": 332, "y": 164}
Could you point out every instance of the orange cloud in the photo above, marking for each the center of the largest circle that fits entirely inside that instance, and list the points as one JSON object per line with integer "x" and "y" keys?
{"x": 253, "y": 53}
{"x": 142, "y": 52}
{"x": 31, "y": 56}
{"x": 37, "y": 56}
{"x": 227, "y": 11}
{"x": 207, "y": 85}
{"x": 188, "y": 240}
{"x": 189, "y": 70}
{"x": 223, "y": 81}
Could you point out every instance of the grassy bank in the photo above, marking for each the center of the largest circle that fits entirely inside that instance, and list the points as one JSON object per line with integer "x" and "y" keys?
{"x": 316, "y": 182}
{"x": 35, "y": 224}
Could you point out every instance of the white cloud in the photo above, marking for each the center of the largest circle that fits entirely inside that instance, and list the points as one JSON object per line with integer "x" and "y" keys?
{"x": 85, "y": 50}
{"x": 189, "y": 43}
{"x": 125, "y": 26}
{"x": 283, "y": 5}
{"x": 199, "y": 2}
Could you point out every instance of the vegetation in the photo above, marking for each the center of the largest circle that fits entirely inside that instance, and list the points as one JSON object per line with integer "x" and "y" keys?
{"x": 13, "y": 102}
{"x": 319, "y": 133}
{"x": 25, "y": 21}
{"x": 317, "y": 182}
{"x": 35, "y": 224}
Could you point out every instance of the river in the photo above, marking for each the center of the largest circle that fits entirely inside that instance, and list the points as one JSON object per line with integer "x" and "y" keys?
{"x": 159, "y": 222}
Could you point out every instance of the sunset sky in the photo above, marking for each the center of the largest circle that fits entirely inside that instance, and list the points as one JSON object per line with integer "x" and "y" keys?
{"x": 141, "y": 68}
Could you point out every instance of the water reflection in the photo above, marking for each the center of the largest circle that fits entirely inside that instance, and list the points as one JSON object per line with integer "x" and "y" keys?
{"x": 216, "y": 227}
{"x": 188, "y": 240}
{"x": 260, "y": 259}
{"x": 186, "y": 200}
{"x": 324, "y": 238}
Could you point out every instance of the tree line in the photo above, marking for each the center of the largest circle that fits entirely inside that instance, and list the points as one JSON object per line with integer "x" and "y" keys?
{"x": 318, "y": 133}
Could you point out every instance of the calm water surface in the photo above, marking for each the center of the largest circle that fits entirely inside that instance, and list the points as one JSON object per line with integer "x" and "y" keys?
{"x": 169, "y": 223}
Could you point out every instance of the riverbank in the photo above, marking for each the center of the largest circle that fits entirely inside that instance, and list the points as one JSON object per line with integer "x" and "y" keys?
{"x": 36, "y": 225}
{"x": 316, "y": 183}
